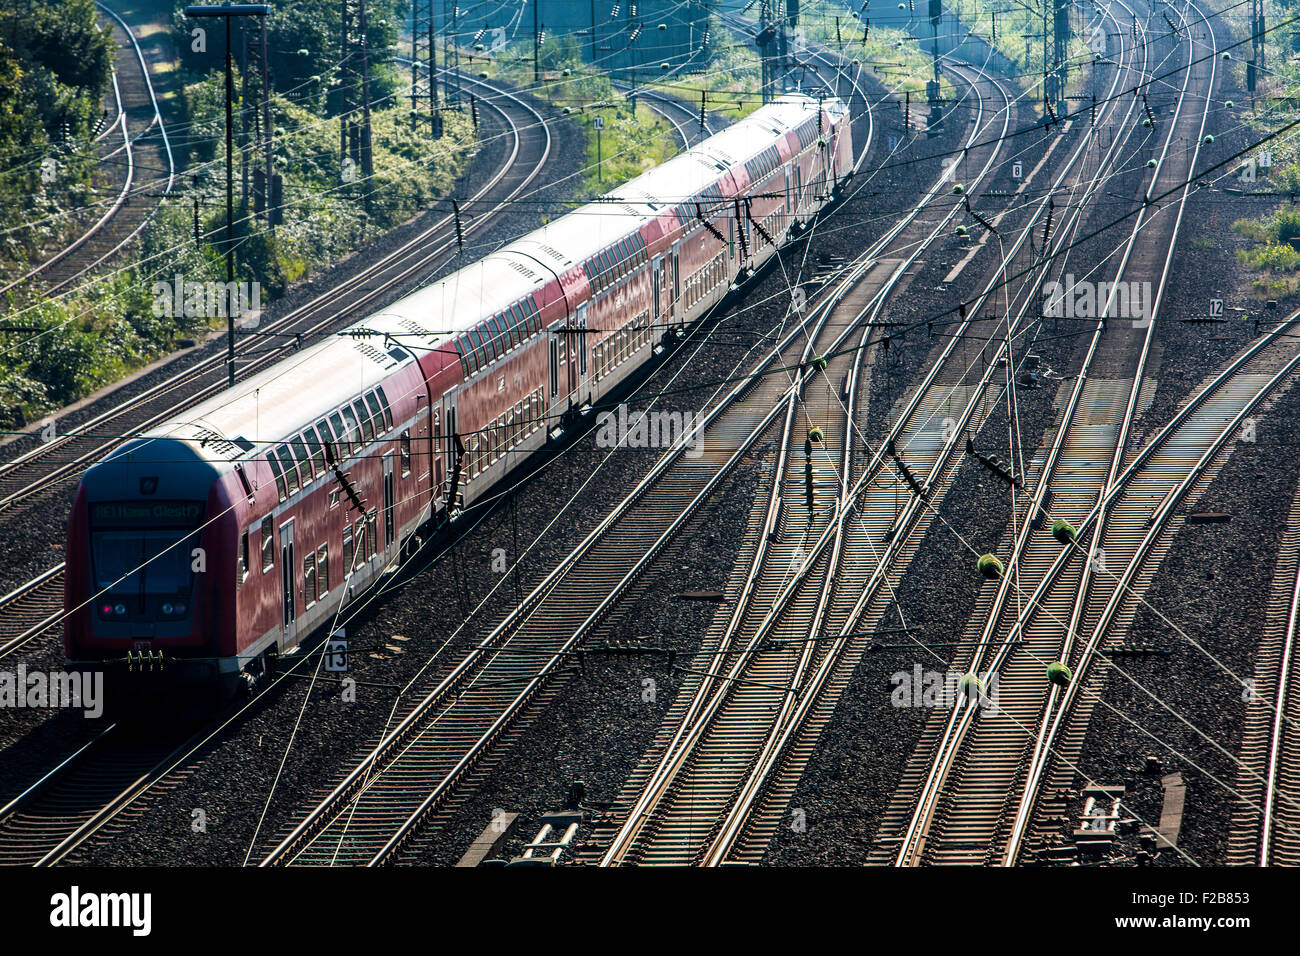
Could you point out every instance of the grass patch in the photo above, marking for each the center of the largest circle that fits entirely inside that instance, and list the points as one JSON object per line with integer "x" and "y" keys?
{"x": 633, "y": 141}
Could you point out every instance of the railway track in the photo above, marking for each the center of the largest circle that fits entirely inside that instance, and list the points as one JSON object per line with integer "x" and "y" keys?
{"x": 725, "y": 732}
{"x": 721, "y": 773}
{"x": 148, "y": 147}
{"x": 1266, "y": 820}
{"x": 92, "y": 792}
{"x": 78, "y": 797}
{"x": 31, "y": 610}
{"x": 973, "y": 800}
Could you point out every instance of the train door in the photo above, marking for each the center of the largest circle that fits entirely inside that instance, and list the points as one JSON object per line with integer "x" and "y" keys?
{"x": 785, "y": 209}
{"x": 390, "y": 502}
{"x": 449, "y": 450}
{"x": 578, "y": 349}
{"x": 656, "y": 289}
{"x": 435, "y": 455}
{"x": 675, "y": 264}
{"x": 554, "y": 345}
{"x": 288, "y": 589}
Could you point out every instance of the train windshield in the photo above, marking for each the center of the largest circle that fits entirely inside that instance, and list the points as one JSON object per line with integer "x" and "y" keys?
{"x": 144, "y": 547}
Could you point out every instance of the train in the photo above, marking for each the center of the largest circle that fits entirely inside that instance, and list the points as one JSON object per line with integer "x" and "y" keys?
{"x": 212, "y": 544}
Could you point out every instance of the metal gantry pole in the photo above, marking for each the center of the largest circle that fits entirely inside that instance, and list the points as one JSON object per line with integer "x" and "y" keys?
{"x": 230, "y": 210}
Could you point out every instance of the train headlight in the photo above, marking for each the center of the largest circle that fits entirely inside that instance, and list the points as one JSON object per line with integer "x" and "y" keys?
{"x": 168, "y": 609}
{"x": 119, "y": 610}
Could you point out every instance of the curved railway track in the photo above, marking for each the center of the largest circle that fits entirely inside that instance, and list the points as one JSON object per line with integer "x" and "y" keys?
{"x": 120, "y": 223}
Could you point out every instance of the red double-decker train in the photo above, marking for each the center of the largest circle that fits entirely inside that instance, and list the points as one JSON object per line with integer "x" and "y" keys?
{"x": 216, "y": 541}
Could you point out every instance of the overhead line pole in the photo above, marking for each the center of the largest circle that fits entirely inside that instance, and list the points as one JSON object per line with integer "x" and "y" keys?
{"x": 227, "y": 11}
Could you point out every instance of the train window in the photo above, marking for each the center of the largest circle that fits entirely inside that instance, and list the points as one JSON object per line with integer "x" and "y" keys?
{"x": 519, "y": 321}
{"x": 367, "y": 429}
{"x": 316, "y": 450}
{"x": 278, "y": 471}
{"x": 372, "y": 531}
{"x": 303, "y": 458}
{"x": 290, "y": 469}
{"x": 340, "y": 435}
{"x": 243, "y": 480}
{"x": 309, "y": 580}
{"x": 347, "y": 550}
{"x": 388, "y": 410}
{"x": 466, "y": 355}
{"x": 334, "y": 498}
{"x": 323, "y": 569}
{"x": 376, "y": 410}
{"x": 352, "y": 433}
{"x": 406, "y": 452}
{"x": 359, "y": 540}
{"x": 268, "y": 545}
{"x": 242, "y": 565}
{"x": 495, "y": 335}
{"x": 325, "y": 438}
{"x": 481, "y": 353}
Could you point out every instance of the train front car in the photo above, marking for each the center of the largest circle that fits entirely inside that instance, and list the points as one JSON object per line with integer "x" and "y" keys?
{"x": 147, "y": 524}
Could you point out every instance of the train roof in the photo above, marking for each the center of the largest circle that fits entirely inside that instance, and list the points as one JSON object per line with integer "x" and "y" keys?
{"x": 281, "y": 400}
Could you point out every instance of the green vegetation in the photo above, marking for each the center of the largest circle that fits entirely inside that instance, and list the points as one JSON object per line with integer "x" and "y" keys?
{"x": 55, "y": 67}
{"x": 75, "y": 344}
{"x": 731, "y": 82}
{"x": 1013, "y": 23}
{"x": 324, "y": 218}
{"x": 894, "y": 55}
{"x": 633, "y": 140}
{"x": 1276, "y": 253}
